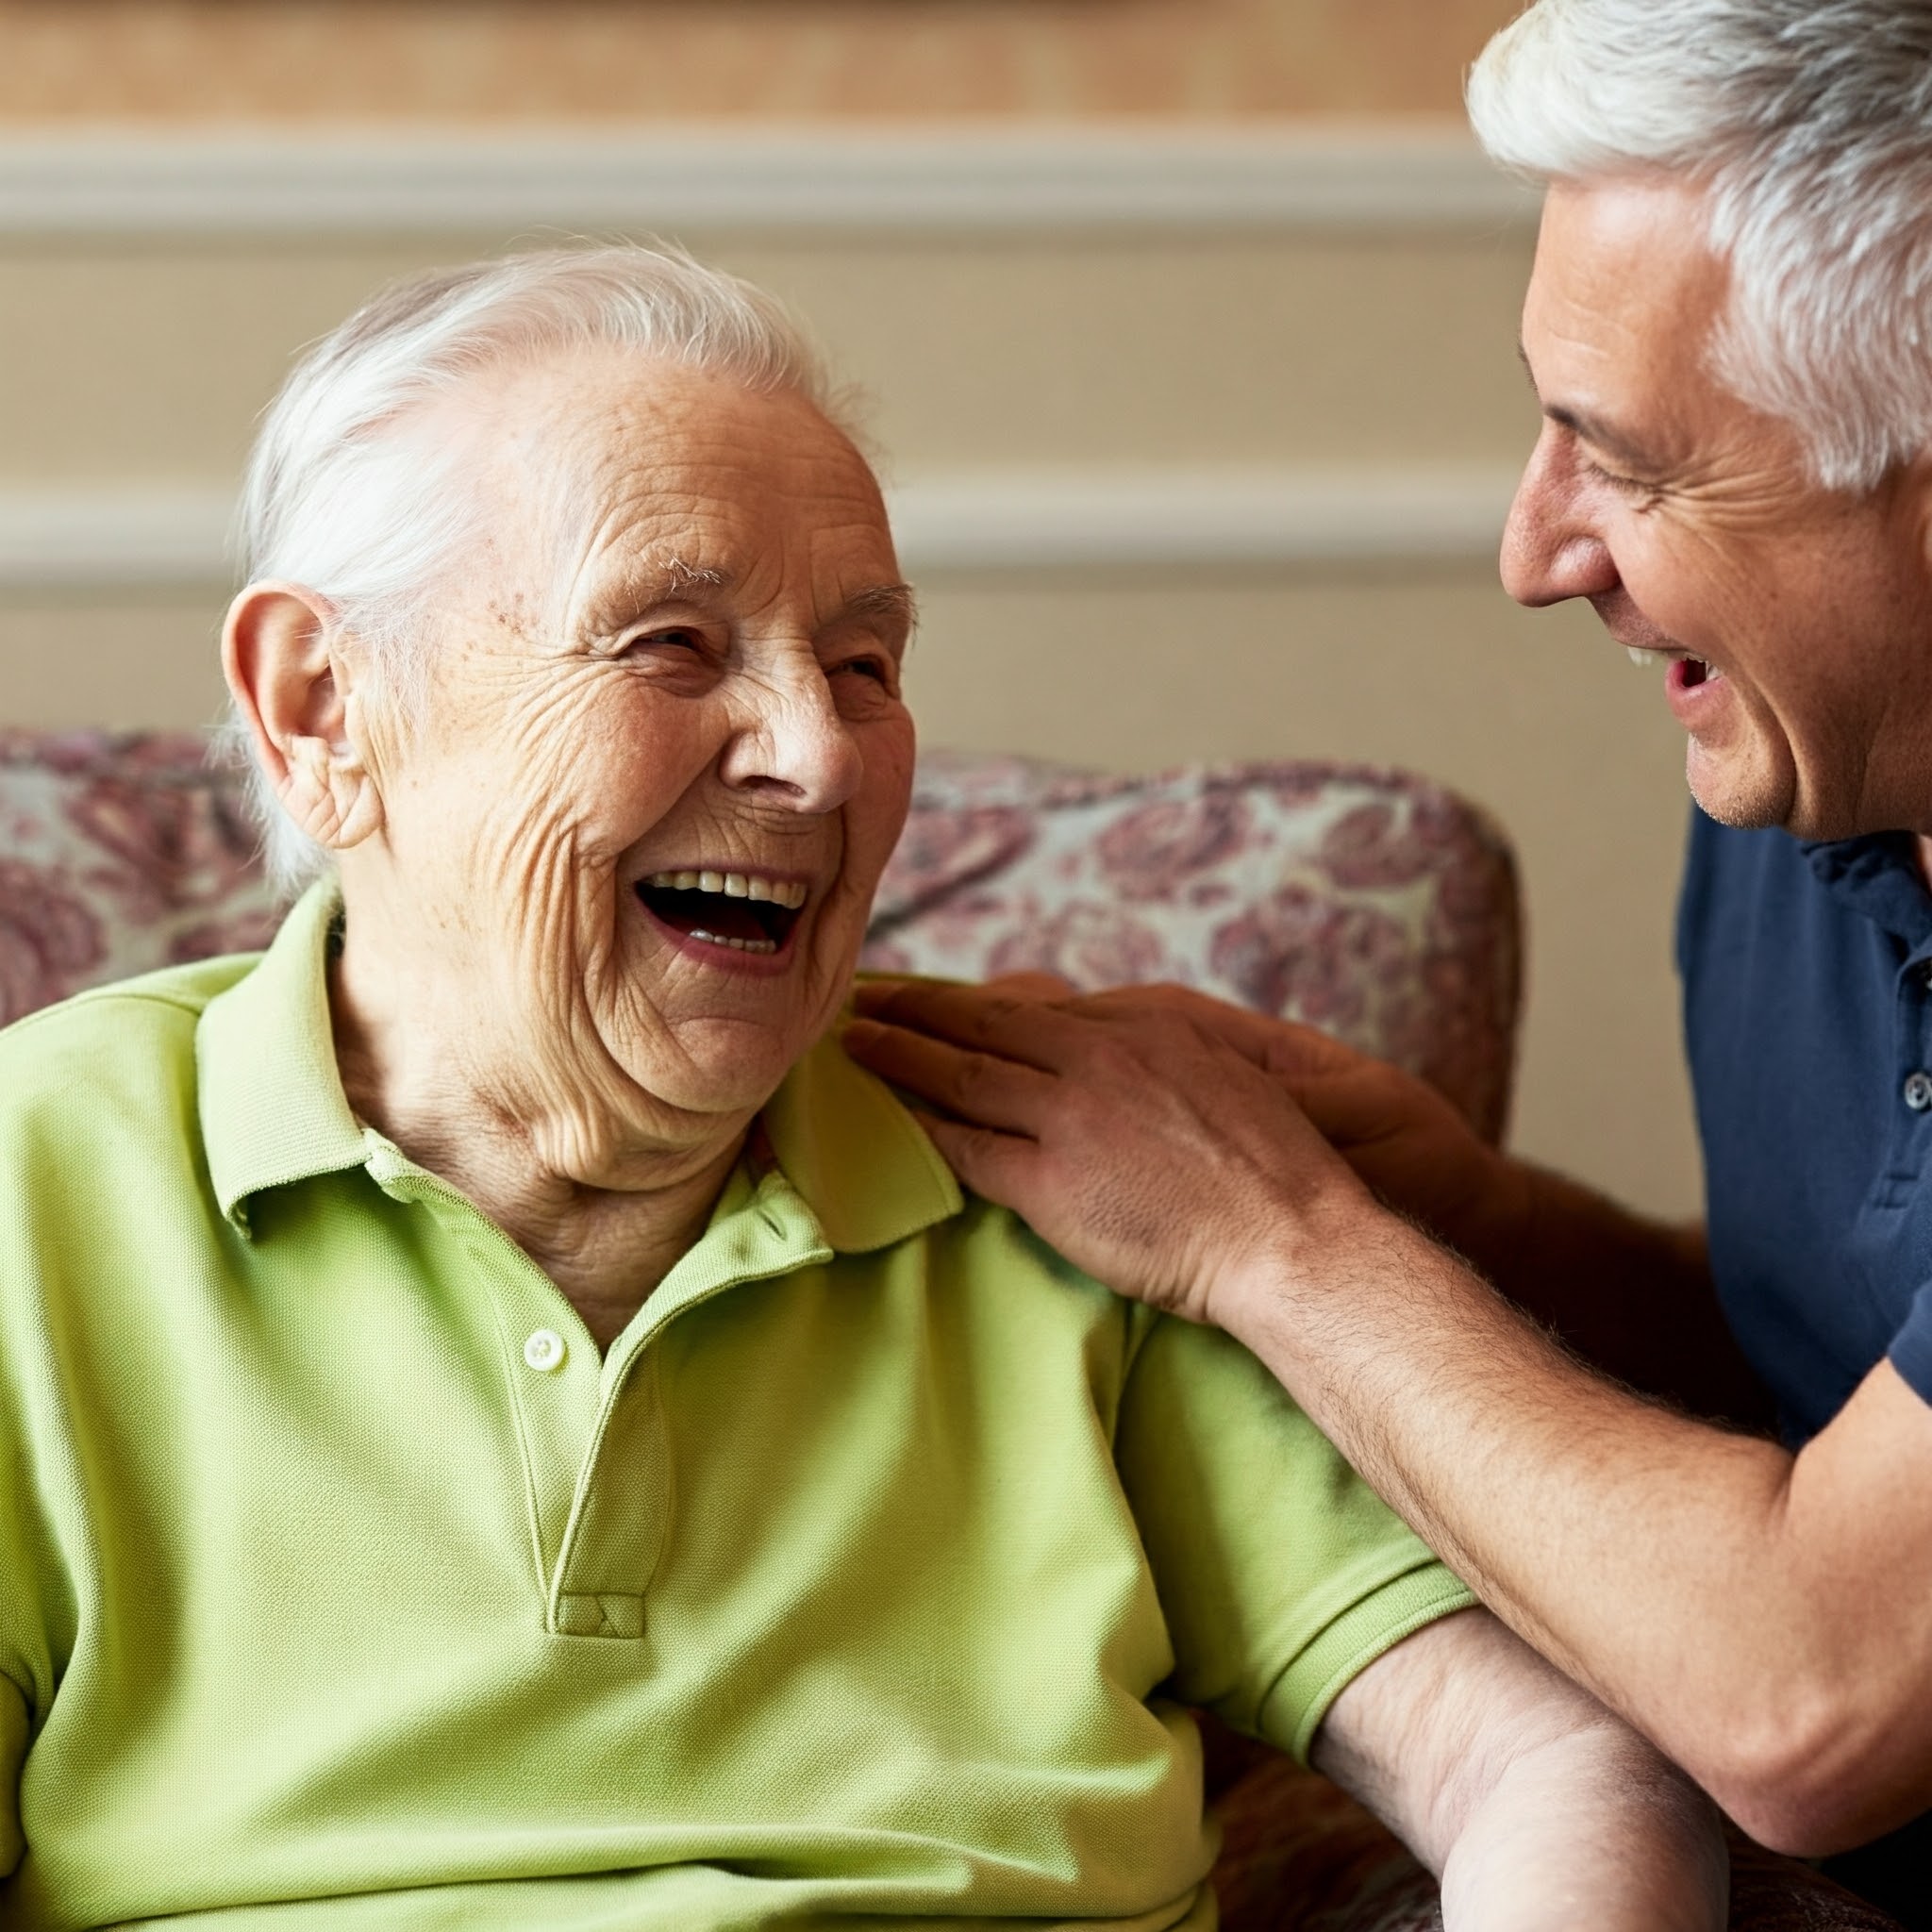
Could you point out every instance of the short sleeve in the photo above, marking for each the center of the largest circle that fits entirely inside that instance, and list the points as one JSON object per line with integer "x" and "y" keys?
{"x": 1910, "y": 1352}
{"x": 1281, "y": 1575}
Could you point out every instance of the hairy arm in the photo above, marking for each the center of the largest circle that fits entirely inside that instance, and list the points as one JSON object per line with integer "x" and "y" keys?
{"x": 1631, "y": 1295}
{"x": 1766, "y": 1621}
{"x": 1762, "y": 1617}
{"x": 1532, "y": 1804}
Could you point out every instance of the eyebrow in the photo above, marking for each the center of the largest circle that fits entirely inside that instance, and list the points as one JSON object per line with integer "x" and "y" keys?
{"x": 892, "y": 600}
{"x": 895, "y": 604}
{"x": 674, "y": 576}
{"x": 1592, "y": 429}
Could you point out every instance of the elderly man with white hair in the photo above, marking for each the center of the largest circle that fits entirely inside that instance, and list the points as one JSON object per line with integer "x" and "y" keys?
{"x": 504, "y": 1425}
{"x": 1729, "y": 329}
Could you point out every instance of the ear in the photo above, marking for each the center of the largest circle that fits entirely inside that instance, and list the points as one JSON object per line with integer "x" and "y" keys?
{"x": 296, "y": 690}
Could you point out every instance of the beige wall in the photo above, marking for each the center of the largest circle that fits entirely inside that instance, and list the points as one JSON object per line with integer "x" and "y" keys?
{"x": 126, "y": 364}
{"x": 139, "y": 364}
{"x": 285, "y": 61}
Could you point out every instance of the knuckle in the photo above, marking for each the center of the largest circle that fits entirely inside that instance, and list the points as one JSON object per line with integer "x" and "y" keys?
{"x": 975, "y": 1075}
{"x": 992, "y": 1010}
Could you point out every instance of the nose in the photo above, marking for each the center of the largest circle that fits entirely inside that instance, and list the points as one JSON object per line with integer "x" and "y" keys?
{"x": 1551, "y": 549}
{"x": 792, "y": 748}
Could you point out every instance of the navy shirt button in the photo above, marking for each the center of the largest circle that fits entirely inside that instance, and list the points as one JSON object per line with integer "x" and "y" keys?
{"x": 1919, "y": 1092}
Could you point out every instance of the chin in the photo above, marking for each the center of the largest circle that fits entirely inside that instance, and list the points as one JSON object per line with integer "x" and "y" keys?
{"x": 721, "y": 1067}
{"x": 1745, "y": 795}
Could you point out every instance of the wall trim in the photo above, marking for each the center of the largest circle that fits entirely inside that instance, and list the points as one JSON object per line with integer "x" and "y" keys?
{"x": 376, "y": 183}
{"x": 116, "y": 542}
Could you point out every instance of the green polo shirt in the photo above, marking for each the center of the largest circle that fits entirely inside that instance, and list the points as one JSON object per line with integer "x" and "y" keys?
{"x": 344, "y": 1585}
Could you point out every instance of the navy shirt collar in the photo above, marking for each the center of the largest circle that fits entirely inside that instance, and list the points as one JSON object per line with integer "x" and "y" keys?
{"x": 1878, "y": 876}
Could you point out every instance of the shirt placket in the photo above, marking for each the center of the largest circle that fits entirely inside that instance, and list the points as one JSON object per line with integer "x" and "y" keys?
{"x": 1911, "y": 1070}
{"x": 592, "y": 1433}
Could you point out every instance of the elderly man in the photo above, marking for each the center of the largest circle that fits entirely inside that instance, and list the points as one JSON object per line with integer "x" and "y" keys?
{"x": 504, "y": 1427}
{"x": 1729, "y": 328}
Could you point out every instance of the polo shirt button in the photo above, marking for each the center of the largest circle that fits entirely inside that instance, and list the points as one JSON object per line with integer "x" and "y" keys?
{"x": 1919, "y": 1092}
{"x": 545, "y": 1349}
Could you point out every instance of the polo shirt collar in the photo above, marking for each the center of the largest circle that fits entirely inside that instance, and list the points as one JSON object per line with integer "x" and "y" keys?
{"x": 1878, "y": 876}
{"x": 273, "y": 1110}
{"x": 868, "y": 1171}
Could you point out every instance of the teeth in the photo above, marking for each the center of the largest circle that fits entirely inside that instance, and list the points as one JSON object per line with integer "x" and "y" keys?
{"x": 719, "y": 938}
{"x": 1640, "y": 655}
{"x": 733, "y": 885}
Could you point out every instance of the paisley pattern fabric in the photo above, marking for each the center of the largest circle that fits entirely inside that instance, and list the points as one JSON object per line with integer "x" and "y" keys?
{"x": 1370, "y": 902}
{"x": 1374, "y": 904}
{"x": 118, "y": 855}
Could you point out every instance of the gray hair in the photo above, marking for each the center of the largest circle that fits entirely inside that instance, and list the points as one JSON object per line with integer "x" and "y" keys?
{"x": 340, "y": 499}
{"x": 1808, "y": 126}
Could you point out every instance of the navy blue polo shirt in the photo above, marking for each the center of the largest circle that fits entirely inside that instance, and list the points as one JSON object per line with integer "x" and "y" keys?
{"x": 1807, "y": 1013}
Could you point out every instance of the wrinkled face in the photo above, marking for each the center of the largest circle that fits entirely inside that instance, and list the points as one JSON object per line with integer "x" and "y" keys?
{"x": 1794, "y": 625}
{"x": 663, "y": 758}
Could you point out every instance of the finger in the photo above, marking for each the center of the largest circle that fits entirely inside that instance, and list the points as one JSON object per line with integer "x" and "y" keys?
{"x": 1035, "y": 1032}
{"x": 1280, "y": 1046}
{"x": 1031, "y": 986}
{"x": 988, "y": 1163}
{"x": 977, "y": 1087}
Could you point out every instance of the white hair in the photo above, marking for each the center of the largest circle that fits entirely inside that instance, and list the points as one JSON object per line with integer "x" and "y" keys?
{"x": 344, "y": 500}
{"x": 1807, "y": 123}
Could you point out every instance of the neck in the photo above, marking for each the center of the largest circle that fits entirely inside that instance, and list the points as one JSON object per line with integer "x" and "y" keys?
{"x": 1924, "y": 842}
{"x": 606, "y": 1227}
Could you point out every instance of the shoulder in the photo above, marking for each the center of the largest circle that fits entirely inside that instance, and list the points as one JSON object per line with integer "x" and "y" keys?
{"x": 1004, "y": 1306}
{"x": 989, "y": 1249}
{"x": 107, "y": 1057}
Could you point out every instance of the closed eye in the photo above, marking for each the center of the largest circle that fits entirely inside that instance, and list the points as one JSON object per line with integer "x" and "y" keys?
{"x": 674, "y": 637}
{"x": 1633, "y": 487}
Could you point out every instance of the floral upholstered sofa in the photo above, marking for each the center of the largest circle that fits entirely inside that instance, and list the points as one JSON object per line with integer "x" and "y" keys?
{"x": 1374, "y": 904}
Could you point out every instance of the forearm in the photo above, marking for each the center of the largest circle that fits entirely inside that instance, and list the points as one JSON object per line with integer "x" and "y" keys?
{"x": 1539, "y": 1811}
{"x": 1595, "y": 1829}
{"x": 1631, "y": 1546}
{"x": 1633, "y": 1296}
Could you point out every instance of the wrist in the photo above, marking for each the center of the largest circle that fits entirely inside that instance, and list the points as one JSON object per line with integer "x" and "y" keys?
{"x": 1303, "y": 1253}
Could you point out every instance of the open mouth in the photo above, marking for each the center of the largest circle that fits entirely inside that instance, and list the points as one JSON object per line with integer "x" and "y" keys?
{"x": 1686, "y": 673}
{"x": 734, "y": 909}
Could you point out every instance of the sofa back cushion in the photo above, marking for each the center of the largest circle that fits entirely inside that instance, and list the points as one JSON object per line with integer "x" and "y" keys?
{"x": 1373, "y": 904}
